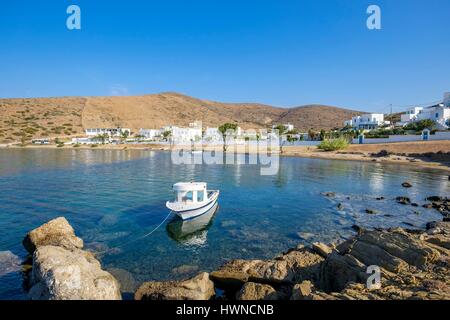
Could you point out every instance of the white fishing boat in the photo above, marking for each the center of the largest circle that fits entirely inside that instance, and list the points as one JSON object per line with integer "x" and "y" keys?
{"x": 192, "y": 199}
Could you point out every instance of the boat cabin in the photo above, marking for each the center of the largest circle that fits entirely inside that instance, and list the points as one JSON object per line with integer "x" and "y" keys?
{"x": 190, "y": 192}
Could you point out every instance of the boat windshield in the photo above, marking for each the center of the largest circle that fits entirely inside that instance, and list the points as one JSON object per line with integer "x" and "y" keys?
{"x": 188, "y": 197}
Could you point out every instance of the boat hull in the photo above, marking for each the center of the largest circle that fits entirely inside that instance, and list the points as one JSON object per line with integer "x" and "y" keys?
{"x": 194, "y": 213}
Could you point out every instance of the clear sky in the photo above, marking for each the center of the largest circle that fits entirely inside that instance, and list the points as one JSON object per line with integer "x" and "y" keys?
{"x": 284, "y": 53}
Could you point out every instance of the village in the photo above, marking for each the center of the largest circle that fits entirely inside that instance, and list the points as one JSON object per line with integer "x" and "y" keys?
{"x": 416, "y": 124}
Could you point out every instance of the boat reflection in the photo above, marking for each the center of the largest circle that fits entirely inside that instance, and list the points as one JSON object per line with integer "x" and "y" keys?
{"x": 191, "y": 232}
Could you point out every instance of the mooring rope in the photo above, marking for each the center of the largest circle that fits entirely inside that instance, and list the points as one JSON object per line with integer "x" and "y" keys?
{"x": 137, "y": 239}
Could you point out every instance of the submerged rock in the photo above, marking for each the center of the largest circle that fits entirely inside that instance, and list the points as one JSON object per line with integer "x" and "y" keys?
{"x": 329, "y": 194}
{"x": 406, "y": 185}
{"x": 403, "y": 200}
{"x": 61, "y": 274}
{"x": 57, "y": 232}
{"x": 198, "y": 288}
{"x": 305, "y": 235}
{"x": 9, "y": 263}
{"x": 126, "y": 280}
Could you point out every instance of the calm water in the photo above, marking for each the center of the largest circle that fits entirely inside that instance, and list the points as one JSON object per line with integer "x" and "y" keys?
{"x": 113, "y": 197}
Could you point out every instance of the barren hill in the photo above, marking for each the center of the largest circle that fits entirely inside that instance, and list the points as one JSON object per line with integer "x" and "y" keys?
{"x": 69, "y": 116}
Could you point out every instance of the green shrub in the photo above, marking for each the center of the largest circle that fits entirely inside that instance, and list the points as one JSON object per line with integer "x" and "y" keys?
{"x": 333, "y": 144}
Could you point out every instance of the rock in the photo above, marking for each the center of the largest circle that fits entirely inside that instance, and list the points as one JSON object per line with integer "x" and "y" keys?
{"x": 339, "y": 270}
{"x": 382, "y": 153}
{"x": 403, "y": 200}
{"x": 340, "y": 207}
{"x": 322, "y": 249}
{"x": 198, "y": 288}
{"x": 435, "y": 227}
{"x": 357, "y": 228}
{"x": 414, "y": 204}
{"x": 435, "y": 199}
{"x": 439, "y": 240}
{"x": 9, "y": 263}
{"x": 302, "y": 291}
{"x": 294, "y": 266}
{"x": 400, "y": 245}
{"x": 406, "y": 185}
{"x": 256, "y": 291}
{"x": 380, "y": 198}
{"x": 185, "y": 269}
{"x": 329, "y": 194}
{"x": 370, "y": 211}
{"x": 126, "y": 280}
{"x": 305, "y": 235}
{"x": 60, "y": 274}
{"x": 57, "y": 232}
{"x": 428, "y": 206}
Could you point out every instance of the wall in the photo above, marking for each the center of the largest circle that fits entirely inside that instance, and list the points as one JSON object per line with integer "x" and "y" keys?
{"x": 441, "y": 135}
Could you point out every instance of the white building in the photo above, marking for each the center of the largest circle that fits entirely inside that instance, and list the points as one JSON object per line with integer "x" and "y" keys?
{"x": 447, "y": 99}
{"x": 410, "y": 115}
{"x": 367, "y": 121}
{"x": 439, "y": 114}
{"x": 150, "y": 134}
{"x": 288, "y": 127}
{"x": 182, "y": 135}
{"x": 112, "y": 132}
{"x": 212, "y": 135}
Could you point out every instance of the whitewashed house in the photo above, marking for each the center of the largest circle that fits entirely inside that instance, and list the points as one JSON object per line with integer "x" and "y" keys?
{"x": 212, "y": 135}
{"x": 150, "y": 134}
{"x": 439, "y": 114}
{"x": 183, "y": 135}
{"x": 112, "y": 132}
{"x": 368, "y": 121}
{"x": 287, "y": 126}
{"x": 410, "y": 115}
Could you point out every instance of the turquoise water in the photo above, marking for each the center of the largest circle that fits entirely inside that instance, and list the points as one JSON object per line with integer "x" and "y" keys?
{"x": 113, "y": 197}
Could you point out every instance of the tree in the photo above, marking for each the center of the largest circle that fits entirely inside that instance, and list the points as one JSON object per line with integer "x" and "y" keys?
{"x": 166, "y": 135}
{"x": 102, "y": 137}
{"x": 140, "y": 137}
{"x": 124, "y": 135}
{"x": 225, "y": 129}
{"x": 281, "y": 131}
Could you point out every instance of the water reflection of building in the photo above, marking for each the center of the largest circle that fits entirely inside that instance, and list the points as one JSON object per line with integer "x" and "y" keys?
{"x": 191, "y": 232}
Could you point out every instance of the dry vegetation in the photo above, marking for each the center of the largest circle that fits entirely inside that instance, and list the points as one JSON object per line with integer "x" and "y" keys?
{"x": 59, "y": 117}
{"x": 24, "y": 119}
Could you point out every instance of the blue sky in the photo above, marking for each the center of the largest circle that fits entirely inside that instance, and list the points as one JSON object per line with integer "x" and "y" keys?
{"x": 283, "y": 53}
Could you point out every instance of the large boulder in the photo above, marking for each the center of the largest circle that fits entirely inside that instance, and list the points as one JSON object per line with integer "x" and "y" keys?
{"x": 257, "y": 291}
{"x": 338, "y": 270}
{"x": 61, "y": 274}
{"x": 57, "y": 232}
{"x": 198, "y": 288}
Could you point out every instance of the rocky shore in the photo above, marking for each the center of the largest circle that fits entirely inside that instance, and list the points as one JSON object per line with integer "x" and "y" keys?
{"x": 62, "y": 270}
{"x": 413, "y": 264}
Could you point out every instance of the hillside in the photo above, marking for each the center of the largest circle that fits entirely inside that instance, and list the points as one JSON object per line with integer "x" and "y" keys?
{"x": 69, "y": 116}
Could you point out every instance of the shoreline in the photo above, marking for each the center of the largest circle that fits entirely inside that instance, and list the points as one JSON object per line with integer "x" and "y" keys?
{"x": 432, "y": 155}
{"x": 411, "y": 264}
